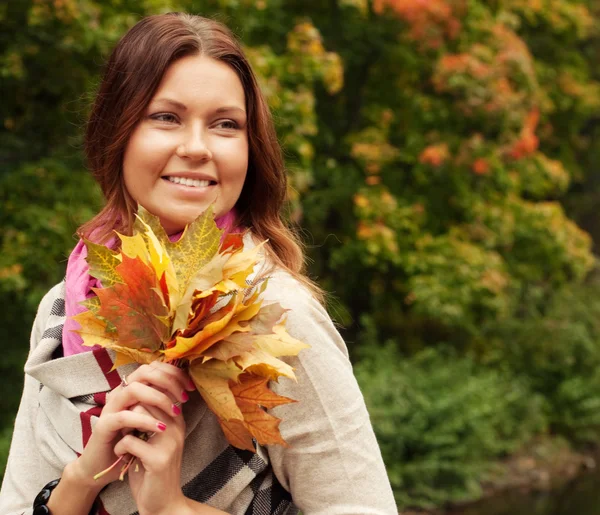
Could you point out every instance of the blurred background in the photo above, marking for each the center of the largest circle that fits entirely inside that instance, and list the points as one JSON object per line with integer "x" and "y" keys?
{"x": 444, "y": 164}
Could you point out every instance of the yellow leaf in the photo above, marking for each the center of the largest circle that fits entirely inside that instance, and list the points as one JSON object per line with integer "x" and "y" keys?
{"x": 263, "y": 364}
{"x": 242, "y": 261}
{"x": 125, "y": 355}
{"x": 159, "y": 257}
{"x": 134, "y": 246}
{"x": 93, "y": 330}
{"x": 194, "y": 249}
{"x": 102, "y": 262}
{"x": 280, "y": 343}
{"x": 212, "y": 380}
{"x": 205, "y": 278}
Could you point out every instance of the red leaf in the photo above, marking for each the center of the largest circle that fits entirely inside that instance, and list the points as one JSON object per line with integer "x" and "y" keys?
{"x": 133, "y": 307}
{"x": 232, "y": 243}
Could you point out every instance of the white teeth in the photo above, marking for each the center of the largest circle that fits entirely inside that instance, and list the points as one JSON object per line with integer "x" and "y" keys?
{"x": 195, "y": 183}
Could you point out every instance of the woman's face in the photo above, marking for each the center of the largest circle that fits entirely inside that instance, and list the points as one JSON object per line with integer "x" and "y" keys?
{"x": 191, "y": 147}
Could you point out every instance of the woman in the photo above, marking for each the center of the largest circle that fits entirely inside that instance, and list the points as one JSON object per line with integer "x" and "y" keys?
{"x": 179, "y": 123}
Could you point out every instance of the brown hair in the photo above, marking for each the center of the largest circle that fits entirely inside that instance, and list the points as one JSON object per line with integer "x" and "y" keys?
{"x": 132, "y": 75}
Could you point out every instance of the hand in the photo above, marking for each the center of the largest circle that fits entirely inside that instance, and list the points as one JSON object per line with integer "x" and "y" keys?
{"x": 157, "y": 386}
{"x": 154, "y": 477}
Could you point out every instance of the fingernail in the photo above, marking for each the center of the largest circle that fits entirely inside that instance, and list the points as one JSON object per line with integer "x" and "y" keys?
{"x": 191, "y": 386}
{"x": 184, "y": 396}
{"x": 161, "y": 426}
{"x": 176, "y": 409}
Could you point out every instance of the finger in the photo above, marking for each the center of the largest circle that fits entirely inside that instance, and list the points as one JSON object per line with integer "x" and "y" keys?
{"x": 165, "y": 377}
{"x": 160, "y": 415}
{"x": 179, "y": 374}
{"x": 131, "y": 420}
{"x": 151, "y": 457}
{"x": 136, "y": 393}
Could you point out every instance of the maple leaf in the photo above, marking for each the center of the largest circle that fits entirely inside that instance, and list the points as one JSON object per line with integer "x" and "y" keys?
{"x": 158, "y": 257}
{"x": 203, "y": 281}
{"x": 264, "y": 364}
{"x": 134, "y": 247}
{"x": 94, "y": 330}
{"x": 134, "y": 307}
{"x": 251, "y": 393}
{"x": 126, "y": 355}
{"x": 212, "y": 380}
{"x": 237, "y": 434}
{"x": 220, "y": 329}
{"x": 230, "y": 347}
{"x": 280, "y": 343}
{"x": 261, "y": 425}
{"x": 267, "y": 318}
{"x": 232, "y": 242}
{"x": 194, "y": 249}
{"x": 254, "y": 389}
{"x": 102, "y": 262}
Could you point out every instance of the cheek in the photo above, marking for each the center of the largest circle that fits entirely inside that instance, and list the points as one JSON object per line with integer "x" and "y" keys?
{"x": 147, "y": 151}
{"x": 233, "y": 160}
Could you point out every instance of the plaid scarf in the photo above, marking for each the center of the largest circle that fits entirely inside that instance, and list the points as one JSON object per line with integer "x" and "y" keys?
{"x": 72, "y": 392}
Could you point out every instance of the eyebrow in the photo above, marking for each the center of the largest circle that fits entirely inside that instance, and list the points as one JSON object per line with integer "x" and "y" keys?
{"x": 183, "y": 107}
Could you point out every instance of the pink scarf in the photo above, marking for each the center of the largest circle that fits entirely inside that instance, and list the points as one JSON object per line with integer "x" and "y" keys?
{"x": 79, "y": 284}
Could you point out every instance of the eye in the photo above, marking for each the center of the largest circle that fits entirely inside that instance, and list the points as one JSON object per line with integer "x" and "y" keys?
{"x": 164, "y": 117}
{"x": 227, "y": 124}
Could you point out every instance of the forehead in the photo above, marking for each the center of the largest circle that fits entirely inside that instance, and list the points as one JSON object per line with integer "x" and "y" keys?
{"x": 198, "y": 79}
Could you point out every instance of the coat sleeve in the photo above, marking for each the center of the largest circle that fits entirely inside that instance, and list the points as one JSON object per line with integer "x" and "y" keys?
{"x": 24, "y": 475}
{"x": 333, "y": 465}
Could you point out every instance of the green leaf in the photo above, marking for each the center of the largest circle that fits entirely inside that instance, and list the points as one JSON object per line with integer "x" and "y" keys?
{"x": 103, "y": 263}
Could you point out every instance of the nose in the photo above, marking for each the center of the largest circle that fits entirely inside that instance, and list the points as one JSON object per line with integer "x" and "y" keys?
{"x": 194, "y": 146}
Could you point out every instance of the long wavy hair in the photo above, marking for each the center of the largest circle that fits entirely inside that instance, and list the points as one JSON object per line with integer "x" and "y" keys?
{"x": 131, "y": 77}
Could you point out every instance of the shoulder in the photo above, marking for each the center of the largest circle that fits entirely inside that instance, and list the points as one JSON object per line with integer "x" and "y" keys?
{"x": 50, "y": 307}
{"x": 306, "y": 318}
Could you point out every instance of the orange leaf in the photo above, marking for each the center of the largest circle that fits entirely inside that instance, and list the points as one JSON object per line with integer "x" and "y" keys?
{"x": 254, "y": 389}
{"x": 237, "y": 434}
{"x": 261, "y": 425}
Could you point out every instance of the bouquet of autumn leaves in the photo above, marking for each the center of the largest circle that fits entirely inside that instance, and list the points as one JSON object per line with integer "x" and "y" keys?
{"x": 189, "y": 303}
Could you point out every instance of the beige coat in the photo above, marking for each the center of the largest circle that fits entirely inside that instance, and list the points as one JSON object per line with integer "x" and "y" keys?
{"x": 333, "y": 466}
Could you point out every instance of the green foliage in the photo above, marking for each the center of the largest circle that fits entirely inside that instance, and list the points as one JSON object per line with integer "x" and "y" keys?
{"x": 558, "y": 354}
{"x": 43, "y": 204}
{"x": 441, "y": 420}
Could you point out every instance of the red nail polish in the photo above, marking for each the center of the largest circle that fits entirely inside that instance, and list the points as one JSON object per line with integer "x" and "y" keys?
{"x": 161, "y": 426}
{"x": 176, "y": 409}
{"x": 184, "y": 396}
{"x": 191, "y": 386}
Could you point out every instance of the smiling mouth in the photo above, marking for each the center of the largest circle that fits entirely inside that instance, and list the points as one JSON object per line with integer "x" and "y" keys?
{"x": 192, "y": 183}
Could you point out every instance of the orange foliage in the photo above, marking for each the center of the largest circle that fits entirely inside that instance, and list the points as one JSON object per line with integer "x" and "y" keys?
{"x": 481, "y": 166}
{"x": 435, "y": 155}
{"x": 528, "y": 142}
{"x": 432, "y": 21}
